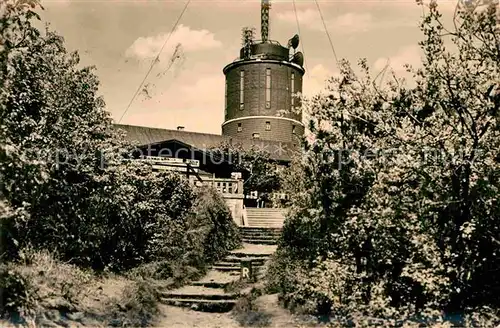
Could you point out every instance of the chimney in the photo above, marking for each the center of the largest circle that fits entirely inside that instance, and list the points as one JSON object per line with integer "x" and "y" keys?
{"x": 180, "y": 128}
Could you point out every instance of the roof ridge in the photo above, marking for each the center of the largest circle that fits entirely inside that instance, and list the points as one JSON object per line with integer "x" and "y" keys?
{"x": 173, "y": 130}
{"x": 203, "y": 133}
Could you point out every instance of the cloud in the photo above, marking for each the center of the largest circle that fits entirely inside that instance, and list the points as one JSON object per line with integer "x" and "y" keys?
{"x": 206, "y": 92}
{"x": 316, "y": 80}
{"x": 351, "y": 22}
{"x": 196, "y": 102}
{"x": 306, "y": 17}
{"x": 406, "y": 55}
{"x": 191, "y": 41}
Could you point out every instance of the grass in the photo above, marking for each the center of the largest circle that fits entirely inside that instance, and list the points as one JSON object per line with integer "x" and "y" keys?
{"x": 42, "y": 291}
{"x": 236, "y": 286}
{"x": 246, "y": 312}
{"x": 137, "y": 306}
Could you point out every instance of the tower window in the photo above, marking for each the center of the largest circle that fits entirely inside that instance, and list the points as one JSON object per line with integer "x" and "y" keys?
{"x": 225, "y": 99}
{"x": 239, "y": 127}
{"x": 256, "y": 135}
{"x": 293, "y": 129}
{"x": 268, "y": 88}
{"x": 268, "y": 126}
{"x": 242, "y": 89}
{"x": 292, "y": 87}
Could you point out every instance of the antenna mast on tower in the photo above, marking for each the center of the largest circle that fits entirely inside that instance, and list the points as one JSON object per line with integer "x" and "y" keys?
{"x": 264, "y": 20}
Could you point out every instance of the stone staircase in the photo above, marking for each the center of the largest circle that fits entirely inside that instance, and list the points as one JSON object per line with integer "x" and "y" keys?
{"x": 265, "y": 217}
{"x": 211, "y": 293}
{"x": 200, "y": 298}
{"x": 260, "y": 235}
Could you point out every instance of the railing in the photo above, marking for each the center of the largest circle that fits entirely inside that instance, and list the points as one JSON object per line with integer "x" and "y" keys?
{"x": 274, "y": 195}
{"x": 190, "y": 168}
{"x": 224, "y": 186}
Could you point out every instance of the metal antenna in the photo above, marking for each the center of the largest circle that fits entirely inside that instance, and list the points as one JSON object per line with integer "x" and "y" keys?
{"x": 264, "y": 20}
{"x": 247, "y": 41}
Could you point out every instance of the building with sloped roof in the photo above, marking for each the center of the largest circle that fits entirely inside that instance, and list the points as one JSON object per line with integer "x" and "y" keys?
{"x": 188, "y": 145}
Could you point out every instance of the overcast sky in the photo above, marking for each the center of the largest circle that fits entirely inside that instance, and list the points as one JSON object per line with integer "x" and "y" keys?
{"x": 120, "y": 38}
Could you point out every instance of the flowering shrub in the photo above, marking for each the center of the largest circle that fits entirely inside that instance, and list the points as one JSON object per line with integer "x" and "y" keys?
{"x": 394, "y": 207}
{"x": 66, "y": 176}
{"x": 221, "y": 233}
{"x": 204, "y": 235}
{"x": 66, "y": 181}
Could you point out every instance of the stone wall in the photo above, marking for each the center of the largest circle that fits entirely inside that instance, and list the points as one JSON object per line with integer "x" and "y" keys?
{"x": 235, "y": 204}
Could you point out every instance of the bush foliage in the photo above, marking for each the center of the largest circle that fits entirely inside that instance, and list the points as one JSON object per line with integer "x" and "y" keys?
{"x": 63, "y": 172}
{"x": 395, "y": 204}
{"x": 67, "y": 183}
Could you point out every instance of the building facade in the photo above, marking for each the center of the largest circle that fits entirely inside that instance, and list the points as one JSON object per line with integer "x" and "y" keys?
{"x": 262, "y": 113}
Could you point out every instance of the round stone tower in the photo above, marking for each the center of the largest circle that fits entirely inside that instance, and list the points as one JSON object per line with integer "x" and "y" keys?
{"x": 260, "y": 89}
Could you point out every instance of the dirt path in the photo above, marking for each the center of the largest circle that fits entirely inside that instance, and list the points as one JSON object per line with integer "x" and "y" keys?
{"x": 269, "y": 313}
{"x": 177, "y": 317}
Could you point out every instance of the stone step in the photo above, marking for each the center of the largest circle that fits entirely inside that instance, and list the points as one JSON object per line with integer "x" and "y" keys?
{"x": 266, "y": 238}
{"x": 224, "y": 268}
{"x": 211, "y": 284}
{"x": 234, "y": 269}
{"x": 278, "y": 217}
{"x": 268, "y": 213}
{"x": 216, "y": 279}
{"x": 265, "y": 219}
{"x": 260, "y": 241}
{"x": 227, "y": 264}
{"x": 260, "y": 230}
{"x": 264, "y": 211}
{"x": 215, "y": 306}
{"x": 236, "y": 264}
{"x": 251, "y": 228}
{"x": 235, "y": 259}
{"x": 250, "y": 250}
{"x": 257, "y": 240}
{"x": 265, "y": 224}
{"x": 198, "y": 293}
{"x": 258, "y": 234}
{"x": 243, "y": 255}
